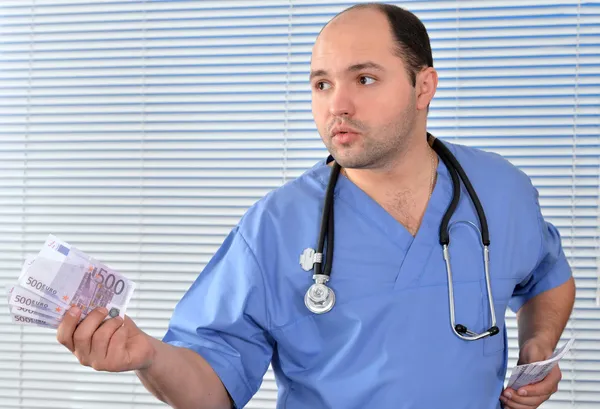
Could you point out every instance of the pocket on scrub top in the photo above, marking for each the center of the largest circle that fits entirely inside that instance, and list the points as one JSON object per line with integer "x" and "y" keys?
{"x": 495, "y": 344}
{"x": 502, "y": 290}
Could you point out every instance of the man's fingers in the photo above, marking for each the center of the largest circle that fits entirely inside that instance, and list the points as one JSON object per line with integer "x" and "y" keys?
{"x": 117, "y": 340}
{"x": 519, "y": 402}
{"x": 82, "y": 338}
{"x": 532, "y": 396}
{"x": 67, "y": 327}
{"x": 533, "y": 403}
{"x": 102, "y": 336}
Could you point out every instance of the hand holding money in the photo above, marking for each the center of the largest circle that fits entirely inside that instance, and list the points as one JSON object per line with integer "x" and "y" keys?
{"x": 114, "y": 345}
{"x": 61, "y": 276}
{"x": 536, "y": 376}
{"x": 86, "y": 300}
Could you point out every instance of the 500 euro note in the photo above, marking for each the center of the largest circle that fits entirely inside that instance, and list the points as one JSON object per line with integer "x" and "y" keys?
{"x": 30, "y": 309}
{"x": 27, "y": 308}
{"x": 68, "y": 277}
{"x": 25, "y": 313}
{"x": 40, "y": 322}
{"x": 19, "y": 297}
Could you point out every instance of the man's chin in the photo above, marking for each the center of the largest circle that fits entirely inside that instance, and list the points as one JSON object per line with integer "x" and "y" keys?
{"x": 350, "y": 162}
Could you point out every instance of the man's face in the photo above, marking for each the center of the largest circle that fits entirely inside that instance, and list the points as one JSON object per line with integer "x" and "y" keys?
{"x": 358, "y": 82}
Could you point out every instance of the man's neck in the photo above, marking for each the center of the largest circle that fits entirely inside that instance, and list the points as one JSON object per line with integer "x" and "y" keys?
{"x": 404, "y": 186}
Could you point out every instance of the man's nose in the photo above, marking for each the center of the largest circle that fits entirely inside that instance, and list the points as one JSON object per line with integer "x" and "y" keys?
{"x": 341, "y": 102}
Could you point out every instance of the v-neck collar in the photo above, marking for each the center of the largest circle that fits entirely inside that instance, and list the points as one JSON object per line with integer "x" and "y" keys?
{"x": 414, "y": 251}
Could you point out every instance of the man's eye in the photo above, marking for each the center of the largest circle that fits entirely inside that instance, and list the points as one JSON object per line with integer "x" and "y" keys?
{"x": 321, "y": 85}
{"x": 364, "y": 80}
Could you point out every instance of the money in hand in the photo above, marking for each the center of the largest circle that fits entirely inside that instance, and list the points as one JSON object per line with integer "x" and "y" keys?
{"x": 19, "y": 297}
{"x": 61, "y": 276}
{"x": 535, "y": 372}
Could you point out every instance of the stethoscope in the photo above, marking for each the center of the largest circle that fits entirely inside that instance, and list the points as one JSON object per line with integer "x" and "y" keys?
{"x": 320, "y": 298}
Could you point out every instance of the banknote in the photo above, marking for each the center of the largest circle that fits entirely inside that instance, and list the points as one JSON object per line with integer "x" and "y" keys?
{"x": 40, "y": 322}
{"x": 535, "y": 372}
{"x": 20, "y": 297}
{"x": 33, "y": 314}
{"x": 83, "y": 284}
{"x": 61, "y": 276}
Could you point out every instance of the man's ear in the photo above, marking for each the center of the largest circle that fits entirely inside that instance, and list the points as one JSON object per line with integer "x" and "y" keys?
{"x": 425, "y": 86}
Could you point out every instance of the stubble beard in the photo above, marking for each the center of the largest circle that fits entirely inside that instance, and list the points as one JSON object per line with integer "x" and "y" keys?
{"x": 376, "y": 153}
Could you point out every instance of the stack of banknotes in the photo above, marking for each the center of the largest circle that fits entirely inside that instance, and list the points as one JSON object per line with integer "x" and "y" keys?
{"x": 61, "y": 276}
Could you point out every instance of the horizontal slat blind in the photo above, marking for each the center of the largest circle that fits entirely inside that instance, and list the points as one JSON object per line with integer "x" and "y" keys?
{"x": 139, "y": 131}
{"x": 142, "y": 130}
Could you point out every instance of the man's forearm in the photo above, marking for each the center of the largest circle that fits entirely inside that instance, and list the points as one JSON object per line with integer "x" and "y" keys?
{"x": 544, "y": 317}
{"x": 183, "y": 379}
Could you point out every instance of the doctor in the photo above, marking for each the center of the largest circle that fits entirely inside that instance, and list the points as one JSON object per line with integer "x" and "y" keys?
{"x": 387, "y": 341}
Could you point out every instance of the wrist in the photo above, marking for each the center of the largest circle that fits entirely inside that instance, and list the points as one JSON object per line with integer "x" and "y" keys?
{"x": 543, "y": 341}
{"x": 535, "y": 349}
{"x": 153, "y": 350}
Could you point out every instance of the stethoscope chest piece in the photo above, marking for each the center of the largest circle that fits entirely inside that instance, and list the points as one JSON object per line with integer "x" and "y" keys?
{"x": 319, "y": 298}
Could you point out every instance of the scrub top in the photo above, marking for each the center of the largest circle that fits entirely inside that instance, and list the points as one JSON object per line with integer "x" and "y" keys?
{"x": 387, "y": 342}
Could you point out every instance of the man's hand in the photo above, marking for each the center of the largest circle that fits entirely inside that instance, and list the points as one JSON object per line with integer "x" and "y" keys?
{"x": 113, "y": 345}
{"x": 177, "y": 376}
{"x": 532, "y": 396}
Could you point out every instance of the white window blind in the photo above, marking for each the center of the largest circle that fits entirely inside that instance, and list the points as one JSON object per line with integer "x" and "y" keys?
{"x": 140, "y": 131}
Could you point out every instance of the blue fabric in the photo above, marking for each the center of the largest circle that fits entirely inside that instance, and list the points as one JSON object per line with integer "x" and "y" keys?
{"x": 388, "y": 342}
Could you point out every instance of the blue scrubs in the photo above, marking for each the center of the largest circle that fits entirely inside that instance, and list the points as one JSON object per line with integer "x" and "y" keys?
{"x": 387, "y": 343}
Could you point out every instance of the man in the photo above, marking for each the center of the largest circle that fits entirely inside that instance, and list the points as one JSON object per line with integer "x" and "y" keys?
{"x": 387, "y": 342}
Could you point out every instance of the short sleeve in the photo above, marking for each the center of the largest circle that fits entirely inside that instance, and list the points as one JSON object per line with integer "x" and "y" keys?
{"x": 552, "y": 268}
{"x": 223, "y": 318}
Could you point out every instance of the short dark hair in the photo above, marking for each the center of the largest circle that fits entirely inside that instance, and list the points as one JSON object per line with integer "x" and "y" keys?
{"x": 410, "y": 36}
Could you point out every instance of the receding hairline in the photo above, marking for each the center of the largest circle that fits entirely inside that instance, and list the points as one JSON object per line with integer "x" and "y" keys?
{"x": 361, "y": 6}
